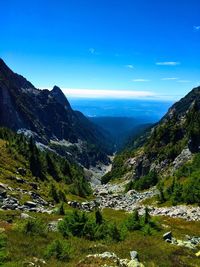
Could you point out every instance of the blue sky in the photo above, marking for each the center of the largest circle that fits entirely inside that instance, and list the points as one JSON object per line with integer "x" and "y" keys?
{"x": 140, "y": 48}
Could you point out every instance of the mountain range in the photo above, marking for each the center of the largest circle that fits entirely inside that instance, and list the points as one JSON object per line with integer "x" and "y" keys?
{"x": 48, "y": 117}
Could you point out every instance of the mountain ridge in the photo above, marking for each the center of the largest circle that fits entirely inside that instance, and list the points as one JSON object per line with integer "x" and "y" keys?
{"x": 46, "y": 113}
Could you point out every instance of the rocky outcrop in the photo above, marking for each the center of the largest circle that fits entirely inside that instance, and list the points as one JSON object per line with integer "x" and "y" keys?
{"x": 107, "y": 259}
{"x": 8, "y": 202}
{"x": 190, "y": 242}
{"x": 181, "y": 159}
{"x": 185, "y": 212}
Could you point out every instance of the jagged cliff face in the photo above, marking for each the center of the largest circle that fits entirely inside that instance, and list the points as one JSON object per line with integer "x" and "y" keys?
{"x": 46, "y": 113}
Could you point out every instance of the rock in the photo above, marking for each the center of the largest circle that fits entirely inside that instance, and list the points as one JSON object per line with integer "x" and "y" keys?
{"x": 108, "y": 255}
{"x": 36, "y": 263}
{"x": 114, "y": 260}
{"x": 182, "y": 158}
{"x": 134, "y": 255}
{"x": 30, "y": 204}
{"x": 167, "y": 236}
{"x": 53, "y": 226}
{"x": 123, "y": 262}
{"x": 25, "y": 216}
{"x": 103, "y": 193}
{"x": 3, "y": 186}
{"x": 3, "y": 193}
{"x": 135, "y": 263}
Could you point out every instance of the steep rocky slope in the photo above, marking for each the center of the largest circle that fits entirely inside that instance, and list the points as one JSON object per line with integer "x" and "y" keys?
{"x": 168, "y": 149}
{"x": 47, "y": 115}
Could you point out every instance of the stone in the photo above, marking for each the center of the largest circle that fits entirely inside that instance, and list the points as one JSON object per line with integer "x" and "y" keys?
{"x": 3, "y": 186}
{"x": 3, "y": 193}
{"x": 134, "y": 263}
{"x": 134, "y": 255}
{"x": 167, "y": 236}
{"x": 25, "y": 216}
{"x": 53, "y": 226}
{"x": 30, "y": 204}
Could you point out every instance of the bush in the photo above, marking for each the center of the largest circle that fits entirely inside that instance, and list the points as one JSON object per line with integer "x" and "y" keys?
{"x": 89, "y": 227}
{"x": 144, "y": 182}
{"x": 144, "y": 223}
{"x": 59, "y": 250}
{"x": 116, "y": 233}
{"x": 191, "y": 191}
{"x": 73, "y": 224}
{"x": 133, "y": 221}
{"x": 33, "y": 227}
{"x": 185, "y": 185}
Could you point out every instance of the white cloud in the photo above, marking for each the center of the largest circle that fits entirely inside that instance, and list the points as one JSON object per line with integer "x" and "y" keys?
{"x": 184, "y": 81}
{"x": 102, "y": 93}
{"x": 168, "y": 63}
{"x": 169, "y": 79}
{"x": 196, "y": 28}
{"x": 140, "y": 80}
{"x": 129, "y": 66}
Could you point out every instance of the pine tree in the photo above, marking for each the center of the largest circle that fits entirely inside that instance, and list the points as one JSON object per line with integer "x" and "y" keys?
{"x": 147, "y": 216}
{"x": 61, "y": 210}
{"x": 99, "y": 217}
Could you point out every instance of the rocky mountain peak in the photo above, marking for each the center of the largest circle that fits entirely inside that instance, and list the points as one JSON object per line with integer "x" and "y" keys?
{"x": 56, "y": 89}
{"x": 57, "y": 93}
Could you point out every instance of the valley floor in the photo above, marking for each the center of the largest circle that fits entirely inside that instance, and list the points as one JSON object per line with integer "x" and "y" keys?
{"x": 153, "y": 251}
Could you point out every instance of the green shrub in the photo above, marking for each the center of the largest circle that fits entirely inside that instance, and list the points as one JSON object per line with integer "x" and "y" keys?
{"x": 33, "y": 227}
{"x": 60, "y": 250}
{"x": 143, "y": 223}
{"x": 191, "y": 191}
{"x": 80, "y": 224}
{"x": 144, "y": 182}
{"x": 133, "y": 221}
{"x": 116, "y": 233}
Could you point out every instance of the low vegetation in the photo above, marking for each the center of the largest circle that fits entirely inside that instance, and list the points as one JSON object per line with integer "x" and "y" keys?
{"x": 143, "y": 234}
{"x": 144, "y": 182}
{"x": 184, "y": 186}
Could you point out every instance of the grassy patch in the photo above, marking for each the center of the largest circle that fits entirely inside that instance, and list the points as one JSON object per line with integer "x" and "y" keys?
{"x": 153, "y": 251}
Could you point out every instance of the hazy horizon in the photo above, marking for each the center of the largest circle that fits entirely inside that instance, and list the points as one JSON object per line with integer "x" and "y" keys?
{"x": 144, "y": 110}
